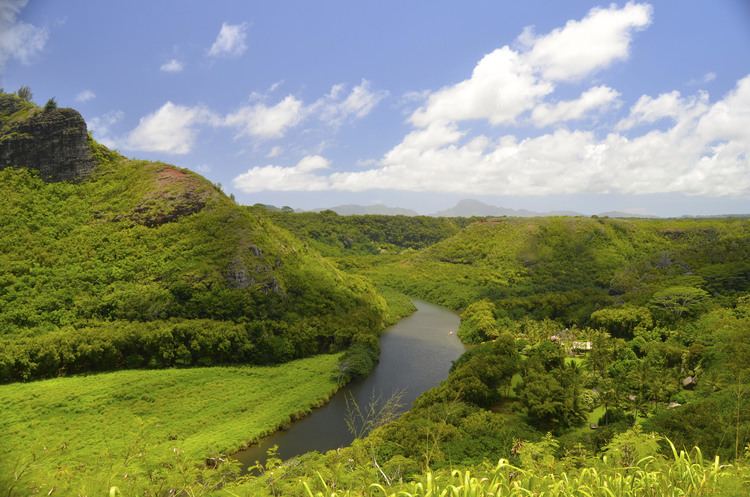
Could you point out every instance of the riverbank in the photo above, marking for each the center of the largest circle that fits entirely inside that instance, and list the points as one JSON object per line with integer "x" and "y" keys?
{"x": 82, "y": 435}
{"x": 415, "y": 355}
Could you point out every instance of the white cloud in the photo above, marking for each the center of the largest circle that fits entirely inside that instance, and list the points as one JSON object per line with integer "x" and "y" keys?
{"x": 706, "y": 151}
{"x": 300, "y": 177}
{"x": 705, "y": 79}
{"x": 337, "y": 106}
{"x": 506, "y": 83}
{"x": 596, "y": 98}
{"x": 265, "y": 122}
{"x": 648, "y": 110}
{"x": 594, "y": 42}
{"x": 230, "y": 42}
{"x": 85, "y": 96}
{"x": 18, "y": 40}
{"x": 171, "y": 129}
{"x": 684, "y": 144}
{"x": 172, "y": 65}
{"x": 501, "y": 87}
{"x": 101, "y": 127}
{"x": 174, "y": 128}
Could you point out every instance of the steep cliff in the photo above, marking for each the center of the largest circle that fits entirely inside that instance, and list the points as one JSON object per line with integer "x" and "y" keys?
{"x": 53, "y": 141}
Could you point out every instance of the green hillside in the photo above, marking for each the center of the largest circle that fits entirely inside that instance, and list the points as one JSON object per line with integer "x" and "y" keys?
{"x": 336, "y": 235}
{"x": 565, "y": 268}
{"x": 142, "y": 264}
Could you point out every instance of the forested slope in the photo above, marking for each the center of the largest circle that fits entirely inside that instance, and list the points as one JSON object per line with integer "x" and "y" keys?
{"x": 337, "y": 235}
{"x": 143, "y": 264}
{"x": 565, "y": 268}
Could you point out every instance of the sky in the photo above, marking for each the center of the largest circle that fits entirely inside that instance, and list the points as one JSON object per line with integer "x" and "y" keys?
{"x": 641, "y": 107}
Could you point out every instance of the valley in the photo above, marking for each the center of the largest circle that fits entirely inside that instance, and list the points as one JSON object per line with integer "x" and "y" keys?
{"x": 155, "y": 335}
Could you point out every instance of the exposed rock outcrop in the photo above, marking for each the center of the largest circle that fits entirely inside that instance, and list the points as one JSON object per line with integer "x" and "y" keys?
{"x": 54, "y": 141}
{"x": 175, "y": 194}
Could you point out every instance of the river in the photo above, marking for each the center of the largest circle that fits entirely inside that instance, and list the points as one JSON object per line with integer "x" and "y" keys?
{"x": 415, "y": 355}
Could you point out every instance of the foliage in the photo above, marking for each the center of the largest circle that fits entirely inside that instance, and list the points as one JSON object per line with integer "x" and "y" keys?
{"x": 336, "y": 235}
{"x": 679, "y": 474}
{"x": 622, "y": 321}
{"x": 551, "y": 388}
{"x": 85, "y": 268}
{"x": 567, "y": 268}
{"x": 143, "y": 430}
{"x": 24, "y": 93}
{"x": 676, "y": 302}
{"x": 50, "y": 105}
{"x": 478, "y": 323}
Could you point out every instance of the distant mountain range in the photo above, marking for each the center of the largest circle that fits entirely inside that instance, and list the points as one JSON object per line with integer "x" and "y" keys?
{"x": 464, "y": 208}
{"x": 352, "y": 210}
{"x": 626, "y": 214}
{"x": 470, "y": 207}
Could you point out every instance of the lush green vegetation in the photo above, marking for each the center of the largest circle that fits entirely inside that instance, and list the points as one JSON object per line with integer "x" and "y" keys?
{"x": 146, "y": 431}
{"x": 592, "y": 333}
{"x": 148, "y": 265}
{"x": 593, "y": 340}
{"x": 335, "y": 235}
{"x": 567, "y": 268}
{"x": 684, "y": 475}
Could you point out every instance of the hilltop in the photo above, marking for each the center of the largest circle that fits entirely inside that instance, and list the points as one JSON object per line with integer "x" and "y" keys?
{"x": 565, "y": 268}
{"x": 109, "y": 263}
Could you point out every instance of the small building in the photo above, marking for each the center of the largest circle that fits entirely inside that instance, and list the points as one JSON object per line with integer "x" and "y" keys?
{"x": 580, "y": 346}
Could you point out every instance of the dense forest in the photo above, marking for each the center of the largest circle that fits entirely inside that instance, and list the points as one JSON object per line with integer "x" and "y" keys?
{"x": 336, "y": 235}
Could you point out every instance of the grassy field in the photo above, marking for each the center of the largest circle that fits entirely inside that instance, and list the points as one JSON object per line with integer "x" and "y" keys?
{"x": 81, "y": 435}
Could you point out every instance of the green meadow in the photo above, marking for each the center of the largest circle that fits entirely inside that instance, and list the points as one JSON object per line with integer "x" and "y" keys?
{"x": 136, "y": 429}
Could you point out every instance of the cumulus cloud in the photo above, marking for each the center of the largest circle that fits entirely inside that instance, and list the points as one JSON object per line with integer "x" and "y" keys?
{"x": 230, "y": 42}
{"x": 300, "y": 177}
{"x": 85, "y": 96}
{"x": 171, "y": 129}
{"x": 508, "y": 82}
{"x": 501, "y": 87}
{"x": 262, "y": 121}
{"x": 665, "y": 143}
{"x": 596, "y": 98}
{"x": 174, "y": 128}
{"x": 172, "y": 65}
{"x": 648, "y": 110}
{"x": 705, "y": 151}
{"x": 581, "y": 47}
{"x": 18, "y": 40}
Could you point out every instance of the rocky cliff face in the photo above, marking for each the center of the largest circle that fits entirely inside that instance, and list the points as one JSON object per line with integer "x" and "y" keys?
{"x": 54, "y": 141}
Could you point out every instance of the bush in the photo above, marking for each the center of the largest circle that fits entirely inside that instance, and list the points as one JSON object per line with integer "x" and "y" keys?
{"x": 24, "y": 93}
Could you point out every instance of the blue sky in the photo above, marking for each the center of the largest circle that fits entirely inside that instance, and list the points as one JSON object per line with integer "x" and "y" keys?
{"x": 541, "y": 105}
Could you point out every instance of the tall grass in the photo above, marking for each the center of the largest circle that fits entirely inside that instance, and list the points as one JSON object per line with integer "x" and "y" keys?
{"x": 686, "y": 474}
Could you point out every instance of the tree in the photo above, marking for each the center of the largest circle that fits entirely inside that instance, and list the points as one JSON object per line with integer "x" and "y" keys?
{"x": 478, "y": 323}
{"x": 24, "y": 92}
{"x": 551, "y": 389}
{"x": 50, "y": 105}
{"x": 622, "y": 321}
{"x": 677, "y": 302}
